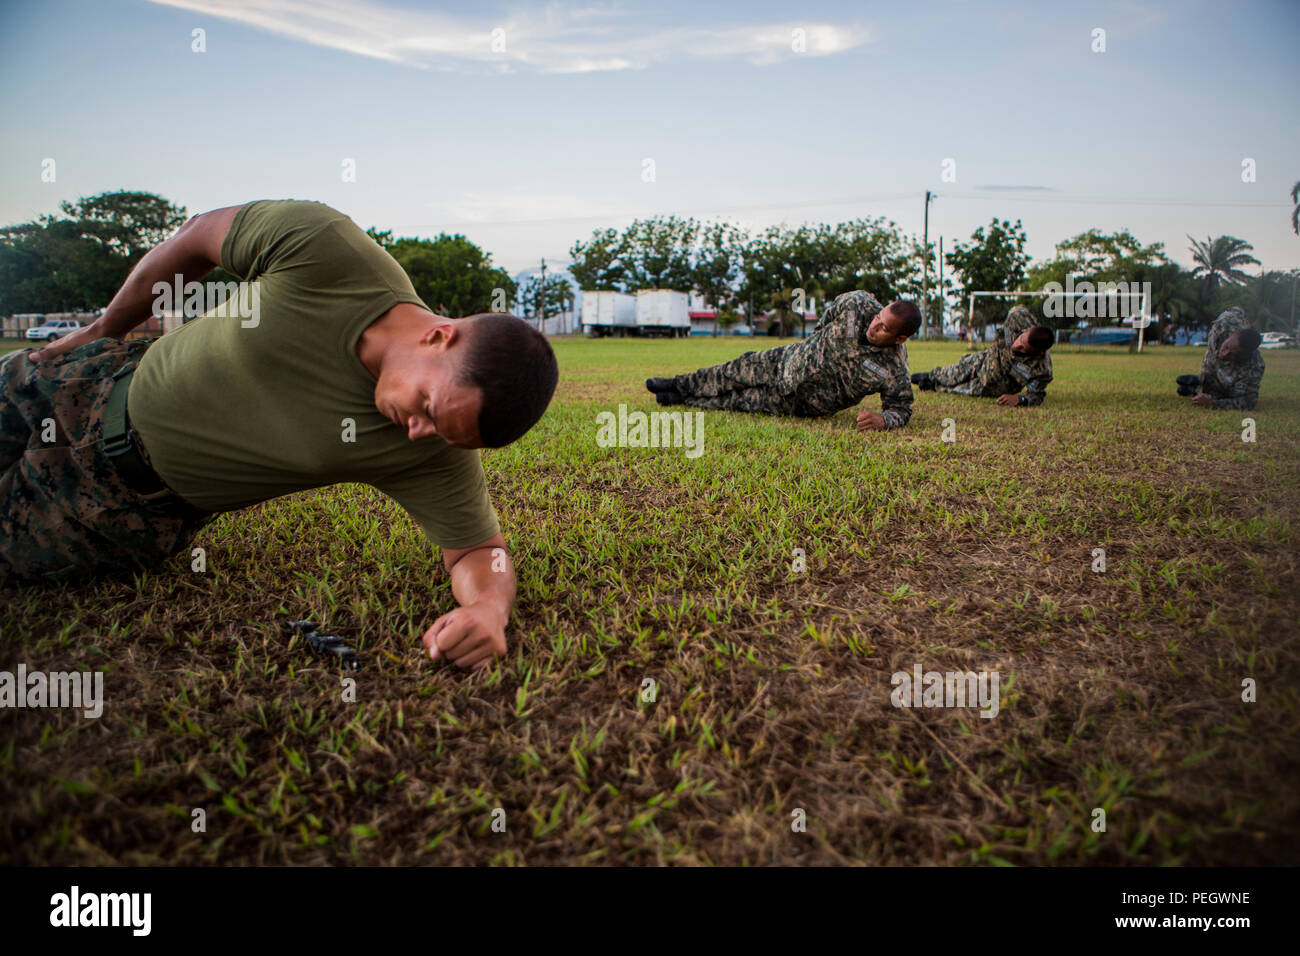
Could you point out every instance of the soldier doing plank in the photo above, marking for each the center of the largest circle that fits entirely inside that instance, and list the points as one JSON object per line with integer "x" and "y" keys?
{"x": 114, "y": 454}
{"x": 1232, "y": 368}
{"x": 1018, "y": 359}
{"x": 855, "y": 350}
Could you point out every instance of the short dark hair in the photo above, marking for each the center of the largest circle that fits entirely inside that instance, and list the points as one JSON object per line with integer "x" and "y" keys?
{"x": 514, "y": 368}
{"x": 1249, "y": 340}
{"x": 1041, "y": 338}
{"x": 909, "y": 313}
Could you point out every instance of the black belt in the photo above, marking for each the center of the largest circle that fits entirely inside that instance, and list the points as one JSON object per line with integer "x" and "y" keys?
{"x": 122, "y": 445}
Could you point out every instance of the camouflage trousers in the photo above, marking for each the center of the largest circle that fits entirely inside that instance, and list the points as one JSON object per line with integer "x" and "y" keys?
{"x": 65, "y": 511}
{"x": 750, "y": 383}
{"x": 964, "y": 377}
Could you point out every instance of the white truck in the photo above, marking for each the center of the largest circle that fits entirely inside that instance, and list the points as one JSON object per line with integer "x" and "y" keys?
{"x": 662, "y": 312}
{"x": 53, "y": 329}
{"x": 608, "y": 313}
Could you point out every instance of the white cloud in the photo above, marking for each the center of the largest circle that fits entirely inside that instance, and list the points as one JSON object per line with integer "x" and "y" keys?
{"x": 556, "y": 39}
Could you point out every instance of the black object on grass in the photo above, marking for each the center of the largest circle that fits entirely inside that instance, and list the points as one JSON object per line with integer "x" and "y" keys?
{"x": 327, "y": 644}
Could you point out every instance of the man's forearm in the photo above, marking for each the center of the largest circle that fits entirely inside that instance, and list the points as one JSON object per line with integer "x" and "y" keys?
{"x": 895, "y": 413}
{"x": 134, "y": 301}
{"x": 486, "y": 578}
{"x": 894, "y": 418}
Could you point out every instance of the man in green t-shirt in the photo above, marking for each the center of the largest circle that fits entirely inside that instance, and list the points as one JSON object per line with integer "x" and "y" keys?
{"x": 329, "y": 369}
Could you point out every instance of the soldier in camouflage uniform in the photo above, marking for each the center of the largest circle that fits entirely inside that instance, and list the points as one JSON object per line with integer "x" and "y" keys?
{"x": 1232, "y": 368}
{"x": 1018, "y": 359}
{"x": 59, "y": 494}
{"x": 855, "y": 350}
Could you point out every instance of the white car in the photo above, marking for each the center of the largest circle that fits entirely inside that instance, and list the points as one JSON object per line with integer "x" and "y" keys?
{"x": 53, "y": 330}
{"x": 1276, "y": 340}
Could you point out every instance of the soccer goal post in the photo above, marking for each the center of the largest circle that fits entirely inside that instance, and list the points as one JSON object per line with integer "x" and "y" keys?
{"x": 1107, "y": 296}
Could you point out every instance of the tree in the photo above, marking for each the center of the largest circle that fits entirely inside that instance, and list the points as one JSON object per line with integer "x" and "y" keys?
{"x": 49, "y": 266}
{"x": 597, "y": 263}
{"x": 719, "y": 256}
{"x": 1173, "y": 296}
{"x": 1295, "y": 213}
{"x": 385, "y": 238}
{"x": 79, "y": 260}
{"x": 992, "y": 262}
{"x": 1267, "y": 300}
{"x": 128, "y": 223}
{"x": 657, "y": 253}
{"x": 1095, "y": 257}
{"x": 559, "y": 296}
{"x": 452, "y": 275}
{"x": 792, "y": 268}
{"x": 1219, "y": 261}
{"x": 1109, "y": 258}
{"x": 784, "y": 269}
{"x": 872, "y": 254}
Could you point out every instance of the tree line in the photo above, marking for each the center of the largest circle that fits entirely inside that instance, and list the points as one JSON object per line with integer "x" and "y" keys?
{"x": 77, "y": 260}
{"x": 780, "y": 266}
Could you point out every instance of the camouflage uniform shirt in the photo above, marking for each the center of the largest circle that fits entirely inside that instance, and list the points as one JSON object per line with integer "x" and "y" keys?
{"x": 838, "y": 366}
{"x": 831, "y": 370}
{"x": 997, "y": 370}
{"x": 1230, "y": 384}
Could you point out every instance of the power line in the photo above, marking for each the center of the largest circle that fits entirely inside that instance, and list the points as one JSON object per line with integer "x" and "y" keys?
{"x": 1104, "y": 201}
{"x": 802, "y": 204}
{"x": 981, "y": 196}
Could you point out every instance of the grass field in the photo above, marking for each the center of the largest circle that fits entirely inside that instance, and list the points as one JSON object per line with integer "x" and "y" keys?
{"x": 1119, "y": 690}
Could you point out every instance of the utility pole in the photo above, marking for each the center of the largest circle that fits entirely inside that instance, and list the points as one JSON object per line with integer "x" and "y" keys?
{"x": 941, "y": 299}
{"x": 1293, "y": 282}
{"x": 541, "y": 311}
{"x": 925, "y": 283}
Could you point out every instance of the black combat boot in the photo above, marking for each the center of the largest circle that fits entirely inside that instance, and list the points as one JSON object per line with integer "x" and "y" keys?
{"x": 922, "y": 381}
{"x": 659, "y": 384}
{"x": 668, "y": 398}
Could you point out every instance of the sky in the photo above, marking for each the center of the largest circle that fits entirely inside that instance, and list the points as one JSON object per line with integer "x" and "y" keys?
{"x": 525, "y": 126}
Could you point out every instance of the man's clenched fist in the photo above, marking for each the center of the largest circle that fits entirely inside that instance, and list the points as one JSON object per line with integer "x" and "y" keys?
{"x": 468, "y": 636}
{"x": 870, "y": 421}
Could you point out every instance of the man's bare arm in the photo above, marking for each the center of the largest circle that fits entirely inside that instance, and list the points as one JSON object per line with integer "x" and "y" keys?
{"x": 193, "y": 252}
{"x": 483, "y": 581}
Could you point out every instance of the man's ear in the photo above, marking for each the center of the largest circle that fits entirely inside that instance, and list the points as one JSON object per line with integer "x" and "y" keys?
{"x": 441, "y": 334}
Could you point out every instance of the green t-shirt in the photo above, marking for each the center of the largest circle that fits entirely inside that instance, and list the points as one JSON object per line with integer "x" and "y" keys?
{"x": 231, "y": 416}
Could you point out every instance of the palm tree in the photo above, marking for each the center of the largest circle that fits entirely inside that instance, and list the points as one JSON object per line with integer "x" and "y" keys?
{"x": 1295, "y": 213}
{"x": 1219, "y": 261}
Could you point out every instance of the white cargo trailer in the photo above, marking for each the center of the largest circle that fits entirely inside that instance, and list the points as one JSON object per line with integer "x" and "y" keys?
{"x": 663, "y": 312}
{"x": 608, "y": 313}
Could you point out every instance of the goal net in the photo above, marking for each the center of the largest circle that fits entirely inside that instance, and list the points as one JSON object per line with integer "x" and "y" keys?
{"x": 1108, "y": 300}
